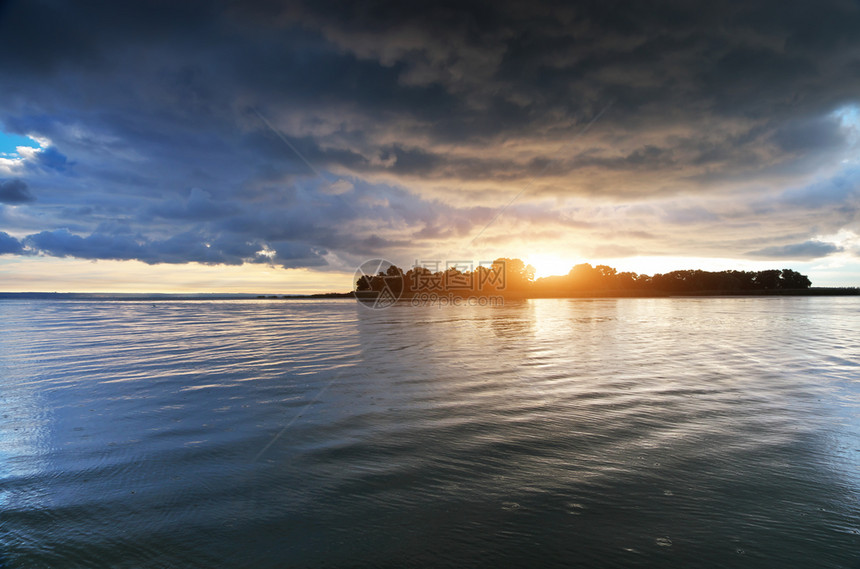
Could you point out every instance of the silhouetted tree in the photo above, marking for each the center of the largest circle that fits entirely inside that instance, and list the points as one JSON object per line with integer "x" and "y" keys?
{"x": 794, "y": 280}
{"x": 626, "y": 280}
{"x": 767, "y": 280}
{"x": 514, "y": 276}
{"x": 363, "y": 283}
{"x": 518, "y": 275}
{"x": 583, "y": 276}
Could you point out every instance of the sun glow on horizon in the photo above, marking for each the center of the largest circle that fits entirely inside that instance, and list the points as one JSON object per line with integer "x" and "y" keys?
{"x": 548, "y": 264}
{"x": 48, "y": 274}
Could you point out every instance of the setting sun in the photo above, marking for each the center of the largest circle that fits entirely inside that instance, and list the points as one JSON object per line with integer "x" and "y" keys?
{"x": 547, "y": 265}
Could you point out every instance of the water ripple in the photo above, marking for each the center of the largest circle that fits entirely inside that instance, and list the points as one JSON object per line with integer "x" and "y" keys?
{"x": 594, "y": 433}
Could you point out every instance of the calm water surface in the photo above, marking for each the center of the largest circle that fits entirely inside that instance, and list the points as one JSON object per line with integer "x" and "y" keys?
{"x": 548, "y": 433}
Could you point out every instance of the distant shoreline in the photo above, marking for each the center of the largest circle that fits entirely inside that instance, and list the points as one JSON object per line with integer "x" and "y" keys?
{"x": 151, "y": 297}
{"x": 816, "y": 291}
{"x": 143, "y": 297}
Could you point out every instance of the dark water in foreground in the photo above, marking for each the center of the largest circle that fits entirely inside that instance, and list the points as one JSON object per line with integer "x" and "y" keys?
{"x": 547, "y": 433}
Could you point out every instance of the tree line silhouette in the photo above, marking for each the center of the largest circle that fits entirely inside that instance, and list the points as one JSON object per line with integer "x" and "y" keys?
{"x": 602, "y": 277}
{"x": 513, "y": 277}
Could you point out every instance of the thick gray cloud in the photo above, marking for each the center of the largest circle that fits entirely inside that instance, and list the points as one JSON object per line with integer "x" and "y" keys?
{"x": 805, "y": 250}
{"x": 181, "y": 248}
{"x": 405, "y": 127}
{"x": 15, "y": 192}
{"x": 9, "y": 244}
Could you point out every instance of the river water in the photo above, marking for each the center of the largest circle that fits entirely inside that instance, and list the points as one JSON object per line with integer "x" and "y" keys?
{"x": 672, "y": 432}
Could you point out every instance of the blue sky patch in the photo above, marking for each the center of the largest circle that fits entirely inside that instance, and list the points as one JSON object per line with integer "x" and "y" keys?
{"x": 10, "y": 142}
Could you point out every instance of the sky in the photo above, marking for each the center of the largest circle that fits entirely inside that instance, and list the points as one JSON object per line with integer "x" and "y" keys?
{"x": 263, "y": 146}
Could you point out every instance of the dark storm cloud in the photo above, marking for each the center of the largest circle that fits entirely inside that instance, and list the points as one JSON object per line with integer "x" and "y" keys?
{"x": 14, "y": 192}
{"x": 415, "y": 122}
{"x": 198, "y": 207}
{"x": 9, "y": 244}
{"x": 62, "y": 243}
{"x": 181, "y": 248}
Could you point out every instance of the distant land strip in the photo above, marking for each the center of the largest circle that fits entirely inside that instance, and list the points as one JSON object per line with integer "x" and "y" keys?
{"x": 512, "y": 278}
